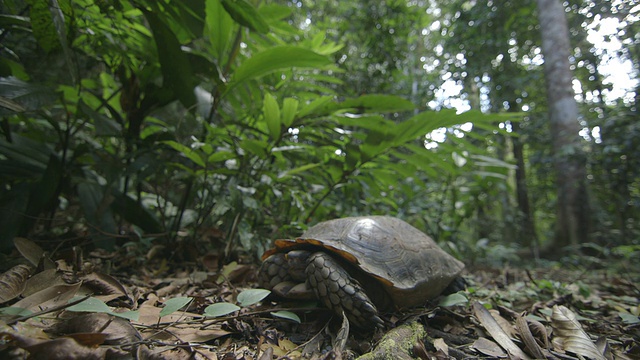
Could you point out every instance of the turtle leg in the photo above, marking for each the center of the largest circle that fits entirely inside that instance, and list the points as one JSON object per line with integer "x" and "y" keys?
{"x": 339, "y": 291}
{"x": 283, "y": 273}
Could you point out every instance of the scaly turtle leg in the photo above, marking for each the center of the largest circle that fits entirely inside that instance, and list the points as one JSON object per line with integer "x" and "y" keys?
{"x": 283, "y": 273}
{"x": 339, "y": 291}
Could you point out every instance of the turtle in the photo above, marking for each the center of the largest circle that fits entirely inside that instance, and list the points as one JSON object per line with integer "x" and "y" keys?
{"x": 358, "y": 265}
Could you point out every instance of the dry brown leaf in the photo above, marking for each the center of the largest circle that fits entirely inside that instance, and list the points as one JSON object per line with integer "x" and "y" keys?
{"x": 163, "y": 353}
{"x": 267, "y": 354}
{"x": 56, "y": 349}
{"x": 284, "y": 348}
{"x": 492, "y": 327}
{"x": 117, "y": 330}
{"x": 226, "y": 271}
{"x": 505, "y": 324}
{"x": 188, "y": 333}
{"x": 539, "y": 331}
{"x": 13, "y": 282}
{"x": 528, "y": 339}
{"x": 488, "y": 347}
{"x": 602, "y": 344}
{"x": 340, "y": 341}
{"x": 88, "y": 339}
{"x": 49, "y": 297}
{"x": 441, "y": 346}
{"x": 103, "y": 284}
{"x": 313, "y": 346}
{"x": 150, "y": 315}
{"x": 30, "y": 329}
{"x": 287, "y": 344}
{"x": 42, "y": 280}
{"x": 569, "y": 335}
{"x": 30, "y": 250}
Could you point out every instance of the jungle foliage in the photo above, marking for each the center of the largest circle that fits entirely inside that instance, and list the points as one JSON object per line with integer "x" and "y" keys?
{"x": 165, "y": 120}
{"x": 238, "y": 121}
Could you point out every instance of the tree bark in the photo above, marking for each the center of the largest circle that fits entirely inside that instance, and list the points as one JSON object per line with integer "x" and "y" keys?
{"x": 527, "y": 231}
{"x": 571, "y": 225}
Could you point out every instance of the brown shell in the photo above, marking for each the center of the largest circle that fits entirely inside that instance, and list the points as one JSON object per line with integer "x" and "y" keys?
{"x": 407, "y": 262}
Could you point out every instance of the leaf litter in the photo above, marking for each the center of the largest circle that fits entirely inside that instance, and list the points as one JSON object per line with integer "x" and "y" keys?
{"x": 58, "y": 309}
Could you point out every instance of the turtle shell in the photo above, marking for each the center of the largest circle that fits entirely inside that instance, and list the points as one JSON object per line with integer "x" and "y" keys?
{"x": 409, "y": 264}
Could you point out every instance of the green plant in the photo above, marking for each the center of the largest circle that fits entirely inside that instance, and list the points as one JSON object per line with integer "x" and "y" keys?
{"x": 185, "y": 116}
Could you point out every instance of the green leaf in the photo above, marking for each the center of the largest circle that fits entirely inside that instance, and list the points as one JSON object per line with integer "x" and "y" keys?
{"x": 129, "y": 315}
{"x": 294, "y": 171}
{"x": 90, "y": 305}
{"x": 271, "y": 113}
{"x": 252, "y": 296}
{"x": 289, "y": 109}
{"x": 364, "y": 104}
{"x": 629, "y": 318}
{"x": 11, "y": 105}
{"x": 493, "y": 174}
{"x": 370, "y": 122}
{"x": 94, "y": 305}
{"x": 453, "y": 299}
{"x": 483, "y": 160}
{"x": 7, "y": 21}
{"x": 315, "y": 105}
{"x": 23, "y": 96}
{"x": 425, "y": 160}
{"x": 272, "y": 13}
{"x": 244, "y": 13}
{"x": 175, "y": 66}
{"x": 376, "y": 143}
{"x": 277, "y": 58}
{"x": 378, "y": 103}
{"x": 286, "y": 315}
{"x": 44, "y": 30}
{"x": 104, "y": 125}
{"x": 220, "y": 156}
{"x": 175, "y": 304}
{"x": 15, "y": 311}
{"x": 136, "y": 213}
{"x": 219, "y": 27}
{"x": 425, "y": 122}
{"x": 220, "y": 309}
{"x": 186, "y": 151}
{"x": 256, "y": 147}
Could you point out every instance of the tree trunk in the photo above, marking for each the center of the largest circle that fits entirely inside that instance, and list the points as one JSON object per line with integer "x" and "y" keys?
{"x": 571, "y": 225}
{"x": 527, "y": 231}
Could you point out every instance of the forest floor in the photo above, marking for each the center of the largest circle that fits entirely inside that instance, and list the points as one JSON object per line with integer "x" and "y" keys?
{"x": 119, "y": 305}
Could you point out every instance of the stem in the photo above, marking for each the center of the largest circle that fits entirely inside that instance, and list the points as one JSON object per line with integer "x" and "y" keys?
{"x": 344, "y": 177}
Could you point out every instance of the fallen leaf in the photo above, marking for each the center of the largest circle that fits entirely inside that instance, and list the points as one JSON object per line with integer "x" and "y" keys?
{"x": 340, "y": 341}
{"x": 441, "y": 346}
{"x": 49, "y": 297}
{"x": 252, "y": 296}
{"x": 116, "y": 330}
{"x": 42, "y": 280}
{"x": 103, "y": 284}
{"x": 488, "y": 347}
{"x": 13, "y": 282}
{"x": 569, "y": 335}
{"x": 56, "y": 349}
{"x": 29, "y": 249}
{"x": 527, "y": 337}
{"x": 492, "y": 327}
